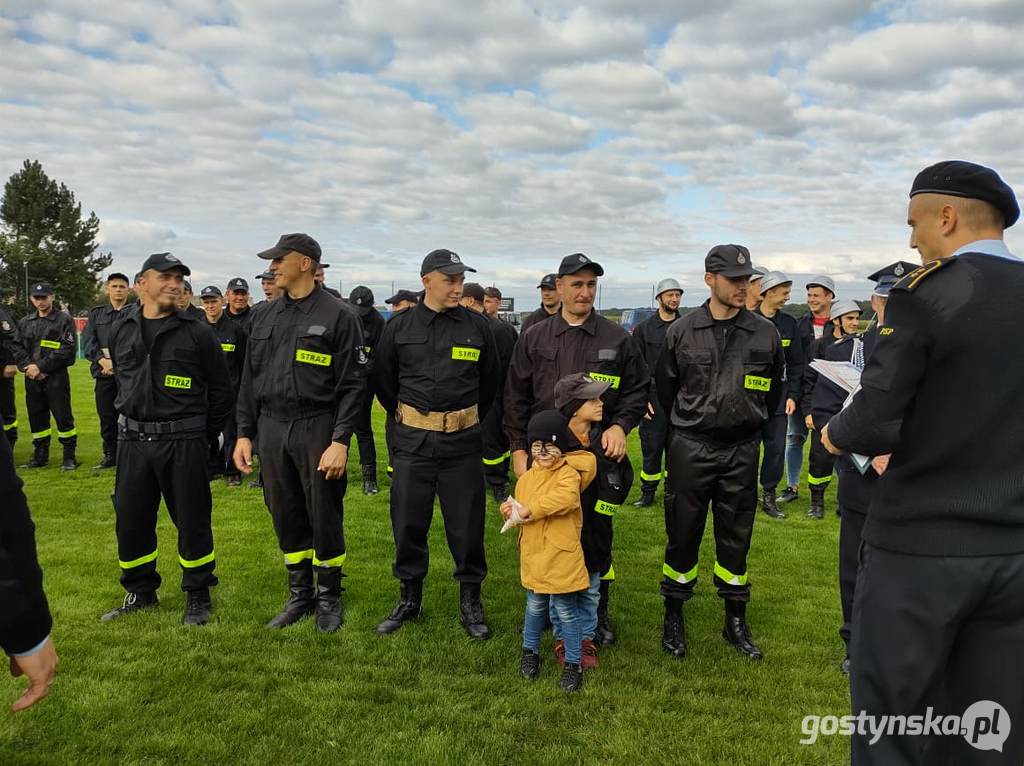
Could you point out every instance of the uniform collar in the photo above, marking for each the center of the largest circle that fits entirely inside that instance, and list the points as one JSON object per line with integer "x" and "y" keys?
{"x": 995, "y": 247}
{"x": 744, "y": 319}
{"x": 305, "y": 304}
{"x": 589, "y": 324}
{"x": 427, "y": 315}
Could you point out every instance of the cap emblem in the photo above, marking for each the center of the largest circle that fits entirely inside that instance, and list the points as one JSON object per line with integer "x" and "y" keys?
{"x": 741, "y": 259}
{"x": 899, "y": 270}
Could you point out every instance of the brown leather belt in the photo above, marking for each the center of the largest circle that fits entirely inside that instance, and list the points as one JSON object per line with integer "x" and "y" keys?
{"x": 443, "y": 422}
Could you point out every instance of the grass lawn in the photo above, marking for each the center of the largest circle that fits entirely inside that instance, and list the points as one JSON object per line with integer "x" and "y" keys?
{"x": 145, "y": 690}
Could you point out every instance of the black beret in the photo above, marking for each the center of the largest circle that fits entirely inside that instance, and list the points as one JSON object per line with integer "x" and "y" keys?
{"x": 966, "y": 179}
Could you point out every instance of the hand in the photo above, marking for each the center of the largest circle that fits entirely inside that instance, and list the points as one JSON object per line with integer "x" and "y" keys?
{"x": 242, "y": 456}
{"x": 39, "y": 669}
{"x": 827, "y": 443}
{"x": 809, "y": 422}
{"x": 10, "y": 370}
{"x": 519, "y": 462}
{"x": 333, "y": 461}
{"x": 790, "y": 406}
{"x": 880, "y": 463}
{"x": 613, "y": 442}
{"x": 33, "y": 372}
{"x": 506, "y": 509}
{"x": 524, "y": 513}
{"x": 106, "y": 366}
{"x": 650, "y": 411}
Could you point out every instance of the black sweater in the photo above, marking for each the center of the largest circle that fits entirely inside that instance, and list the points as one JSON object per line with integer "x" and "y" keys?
{"x": 943, "y": 391}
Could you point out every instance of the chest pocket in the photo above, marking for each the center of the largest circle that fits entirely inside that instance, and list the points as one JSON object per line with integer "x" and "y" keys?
{"x": 260, "y": 346}
{"x": 757, "y": 371}
{"x": 312, "y": 347}
{"x": 467, "y": 349}
{"x": 695, "y": 369}
{"x": 604, "y": 365}
{"x": 180, "y": 374}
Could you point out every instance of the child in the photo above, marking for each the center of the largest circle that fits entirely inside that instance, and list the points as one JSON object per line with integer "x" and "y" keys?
{"x": 551, "y": 557}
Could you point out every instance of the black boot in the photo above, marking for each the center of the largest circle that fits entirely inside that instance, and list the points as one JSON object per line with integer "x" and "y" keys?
{"x": 410, "y": 603}
{"x": 500, "y": 493}
{"x": 301, "y": 601}
{"x": 572, "y": 677}
{"x": 197, "y": 607}
{"x": 817, "y": 509}
{"x": 844, "y": 667}
{"x": 370, "y": 480}
{"x": 40, "y": 455}
{"x": 109, "y": 460}
{"x": 647, "y": 491}
{"x": 133, "y": 602}
{"x": 788, "y": 495}
{"x": 529, "y": 665}
{"x": 68, "y": 462}
{"x": 471, "y": 611}
{"x": 603, "y": 636}
{"x": 328, "y": 599}
{"x": 673, "y": 631}
{"x": 736, "y": 631}
{"x": 257, "y": 483}
{"x": 769, "y": 506}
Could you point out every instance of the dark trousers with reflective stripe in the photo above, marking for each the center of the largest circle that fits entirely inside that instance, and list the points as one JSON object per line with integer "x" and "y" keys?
{"x": 820, "y": 462}
{"x": 726, "y": 478}
{"x": 941, "y": 632}
{"x": 175, "y": 469}
{"x": 773, "y": 459}
{"x": 307, "y": 509}
{"x": 458, "y": 483}
{"x": 495, "y": 448}
{"x": 653, "y": 440}
{"x": 51, "y": 394}
{"x": 106, "y": 393}
{"x": 364, "y": 435}
{"x": 851, "y": 525}
{"x": 8, "y": 409}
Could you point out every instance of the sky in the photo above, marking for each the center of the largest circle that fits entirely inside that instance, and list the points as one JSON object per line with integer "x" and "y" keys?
{"x": 639, "y": 132}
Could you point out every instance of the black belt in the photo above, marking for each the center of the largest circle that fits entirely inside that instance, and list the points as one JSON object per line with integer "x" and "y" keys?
{"x": 297, "y": 413}
{"x": 197, "y": 423}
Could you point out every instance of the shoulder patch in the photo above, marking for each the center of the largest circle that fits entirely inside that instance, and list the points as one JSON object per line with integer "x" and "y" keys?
{"x": 910, "y": 282}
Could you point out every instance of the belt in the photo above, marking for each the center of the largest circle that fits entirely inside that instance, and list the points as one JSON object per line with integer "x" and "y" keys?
{"x": 193, "y": 424}
{"x": 443, "y": 422}
{"x": 294, "y": 413}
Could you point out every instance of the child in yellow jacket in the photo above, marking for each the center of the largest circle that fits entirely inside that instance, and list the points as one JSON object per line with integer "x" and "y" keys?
{"x": 552, "y": 568}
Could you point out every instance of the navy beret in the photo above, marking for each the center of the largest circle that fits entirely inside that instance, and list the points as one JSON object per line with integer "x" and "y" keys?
{"x": 966, "y": 179}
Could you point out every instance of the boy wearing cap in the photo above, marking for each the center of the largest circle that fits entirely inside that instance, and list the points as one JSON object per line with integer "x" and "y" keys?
{"x": 49, "y": 339}
{"x": 438, "y": 371}
{"x": 361, "y": 299}
{"x": 173, "y": 396}
{"x": 232, "y": 337}
{"x": 720, "y": 378}
{"x": 96, "y": 344}
{"x": 549, "y": 302}
{"x": 650, "y": 337}
{"x": 238, "y": 302}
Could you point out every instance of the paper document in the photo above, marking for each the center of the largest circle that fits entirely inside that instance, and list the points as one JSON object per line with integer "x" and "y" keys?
{"x": 847, "y": 377}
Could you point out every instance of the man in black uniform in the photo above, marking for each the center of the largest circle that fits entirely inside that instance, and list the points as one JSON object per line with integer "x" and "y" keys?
{"x": 361, "y": 299}
{"x": 650, "y": 338}
{"x": 238, "y": 310}
{"x": 437, "y": 369}
{"x": 96, "y": 344}
{"x": 938, "y": 614}
{"x": 232, "y": 336}
{"x": 270, "y": 290}
{"x": 549, "y": 302}
{"x": 402, "y": 300}
{"x": 302, "y": 386}
{"x": 173, "y": 395}
{"x": 496, "y": 455}
{"x": 319, "y": 277}
{"x": 49, "y": 339}
{"x": 775, "y": 289}
{"x": 492, "y": 301}
{"x": 578, "y": 339}
{"x": 12, "y": 355}
{"x": 185, "y": 303}
{"x": 721, "y": 377}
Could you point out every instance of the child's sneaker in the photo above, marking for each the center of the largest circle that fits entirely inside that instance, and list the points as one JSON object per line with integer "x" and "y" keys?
{"x": 559, "y": 648}
{"x": 572, "y": 677}
{"x": 589, "y": 654}
{"x": 529, "y": 665}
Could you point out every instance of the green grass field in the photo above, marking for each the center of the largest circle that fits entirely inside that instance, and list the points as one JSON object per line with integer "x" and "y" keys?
{"x": 145, "y": 690}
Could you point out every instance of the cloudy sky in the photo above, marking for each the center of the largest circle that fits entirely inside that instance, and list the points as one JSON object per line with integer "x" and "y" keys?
{"x": 639, "y": 132}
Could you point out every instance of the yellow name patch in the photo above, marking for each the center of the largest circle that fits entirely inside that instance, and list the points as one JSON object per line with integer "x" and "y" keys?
{"x": 177, "y": 381}
{"x": 312, "y": 357}
{"x": 786, "y": 342}
{"x": 50, "y": 343}
{"x": 465, "y": 354}
{"x": 227, "y": 347}
{"x": 615, "y": 380}
{"x": 605, "y": 508}
{"x": 885, "y": 331}
{"x": 755, "y": 383}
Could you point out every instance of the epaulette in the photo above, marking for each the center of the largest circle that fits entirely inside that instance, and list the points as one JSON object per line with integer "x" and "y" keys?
{"x": 910, "y": 282}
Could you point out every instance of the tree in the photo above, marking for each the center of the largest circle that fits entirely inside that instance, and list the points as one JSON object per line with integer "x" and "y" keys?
{"x": 43, "y": 238}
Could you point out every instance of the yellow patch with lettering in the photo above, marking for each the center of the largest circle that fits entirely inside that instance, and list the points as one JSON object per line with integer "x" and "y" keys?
{"x": 312, "y": 357}
{"x": 177, "y": 381}
{"x": 50, "y": 343}
{"x": 786, "y": 342}
{"x": 227, "y": 348}
{"x": 885, "y": 331}
{"x": 604, "y": 508}
{"x": 756, "y": 383}
{"x": 462, "y": 354}
{"x": 615, "y": 380}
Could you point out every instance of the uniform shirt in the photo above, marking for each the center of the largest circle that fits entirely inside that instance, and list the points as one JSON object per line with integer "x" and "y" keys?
{"x": 721, "y": 395}
{"x": 805, "y": 403}
{"x": 241, "y": 319}
{"x": 50, "y": 342}
{"x": 373, "y": 327}
{"x": 304, "y": 356}
{"x": 505, "y": 337}
{"x": 96, "y": 335}
{"x": 12, "y": 351}
{"x": 233, "y": 338}
{"x": 180, "y": 375}
{"x": 552, "y": 349}
{"x": 650, "y": 339}
{"x": 537, "y": 316}
{"x": 793, "y": 347}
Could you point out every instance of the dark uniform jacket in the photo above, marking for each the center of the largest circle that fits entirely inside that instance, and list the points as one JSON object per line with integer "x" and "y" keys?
{"x": 820, "y": 394}
{"x": 12, "y": 351}
{"x": 721, "y": 397}
{"x": 50, "y": 342}
{"x": 437, "y": 362}
{"x": 537, "y": 316}
{"x": 552, "y": 349}
{"x": 181, "y": 377}
{"x": 304, "y": 357}
{"x": 242, "y": 320}
{"x": 233, "y": 339}
{"x": 373, "y": 327}
{"x": 96, "y": 335}
{"x": 794, "y": 350}
{"x": 650, "y": 339}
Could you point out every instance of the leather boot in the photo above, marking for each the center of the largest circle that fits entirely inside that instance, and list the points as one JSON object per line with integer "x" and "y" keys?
{"x": 603, "y": 636}
{"x": 133, "y": 602}
{"x": 300, "y": 601}
{"x": 40, "y": 454}
{"x": 370, "y": 480}
{"x": 769, "y": 505}
{"x": 499, "y": 492}
{"x": 68, "y": 462}
{"x": 736, "y": 631}
{"x": 109, "y": 460}
{"x": 673, "y": 631}
{"x": 817, "y": 509}
{"x": 471, "y": 611}
{"x": 647, "y": 491}
{"x": 328, "y": 599}
{"x": 409, "y": 606}
{"x": 197, "y": 607}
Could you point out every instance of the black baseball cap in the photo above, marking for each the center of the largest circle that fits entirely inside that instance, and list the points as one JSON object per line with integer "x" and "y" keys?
{"x": 444, "y": 261}
{"x": 967, "y": 179}
{"x": 40, "y": 289}
{"x": 299, "y": 243}
{"x": 729, "y": 261}
{"x": 210, "y": 291}
{"x": 548, "y": 282}
{"x": 138, "y": 276}
{"x": 187, "y": 286}
{"x": 238, "y": 284}
{"x": 361, "y": 299}
{"x": 549, "y": 427}
{"x": 266, "y": 276}
{"x": 473, "y": 290}
{"x": 577, "y": 262}
{"x": 165, "y": 262}
{"x": 403, "y": 295}
{"x": 117, "y": 275}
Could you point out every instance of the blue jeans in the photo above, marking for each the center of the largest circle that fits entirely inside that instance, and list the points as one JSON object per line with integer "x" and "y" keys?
{"x": 588, "y": 600}
{"x": 796, "y": 435}
{"x": 567, "y": 607}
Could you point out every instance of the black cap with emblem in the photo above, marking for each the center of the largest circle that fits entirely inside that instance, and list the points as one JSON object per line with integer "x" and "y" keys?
{"x": 888, "y": 276}
{"x": 40, "y": 289}
{"x": 577, "y": 262}
{"x": 288, "y": 243}
{"x": 266, "y": 276}
{"x": 210, "y": 291}
{"x": 238, "y": 284}
{"x": 444, "y": 261}
{"x": 548, "y": 282}
{"x": 361, "y": 299}
{"x": 729, "y": 260}
{"x": 165, "y": 262}
{"x": 967, "y": 179}
{"x": 402, "y": 295}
